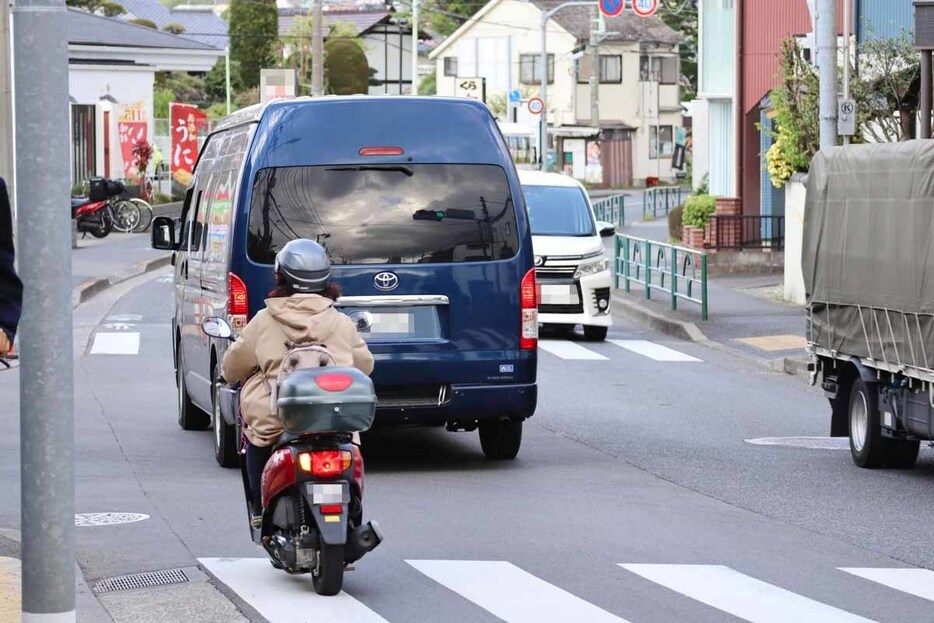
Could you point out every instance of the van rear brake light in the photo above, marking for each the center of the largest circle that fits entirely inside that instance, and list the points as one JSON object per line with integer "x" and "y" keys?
{"x": 528, "y": 297}
{"x": 238, "y": 305}
{"x": 381, "y": 151}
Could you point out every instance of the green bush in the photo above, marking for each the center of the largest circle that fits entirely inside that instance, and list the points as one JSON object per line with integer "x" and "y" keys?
{"x": 698, "y": 209}
{"x": 674, "y": 223}
{"x": 161, "y": 198}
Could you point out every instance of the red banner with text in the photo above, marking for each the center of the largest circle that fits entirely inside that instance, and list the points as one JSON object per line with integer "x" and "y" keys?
{"x": 186, "y": 121}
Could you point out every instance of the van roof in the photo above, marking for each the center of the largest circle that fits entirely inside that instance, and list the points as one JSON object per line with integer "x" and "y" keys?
{"x": 539, "y": 178}
{"x": 508, "y": 127}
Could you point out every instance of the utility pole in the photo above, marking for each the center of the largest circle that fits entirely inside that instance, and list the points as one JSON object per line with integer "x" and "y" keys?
{"x": 595, "y": 68}
{"x": 846, "y": 57}
{"x": 317, "y": 50}
{"x": 414, "y": 90}
{"x": 827, "y": 64}
{"x": 47, "y": 434}
{"x": 226, "y": 74}
{"x": 6, "y": 100}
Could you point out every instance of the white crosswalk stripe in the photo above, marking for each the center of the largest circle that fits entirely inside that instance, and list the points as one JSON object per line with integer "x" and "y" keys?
{"x": 653, "y": 350}
{"x": 741, "y": 595}
{"x": 917, "y": 582}
{"x": 122, "y": 343}
{"x": 508, "y": 592}
{"x": 282, "y": 598}
{"x": 569, "y": 350}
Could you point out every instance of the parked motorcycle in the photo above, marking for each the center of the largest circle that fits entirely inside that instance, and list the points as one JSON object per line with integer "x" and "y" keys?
{"x": 312, "y": 485}
{"x": 102, "y": 210}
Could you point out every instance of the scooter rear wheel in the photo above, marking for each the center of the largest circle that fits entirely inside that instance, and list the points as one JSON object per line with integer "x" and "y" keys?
{"x": 328, "y": 578}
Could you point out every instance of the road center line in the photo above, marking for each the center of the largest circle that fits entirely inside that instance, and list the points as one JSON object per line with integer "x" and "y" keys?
{"x": 508, "y": 592}
{"x": 740, "y": 595}
{"x": 653, "y": 350}
{"x": 123, "y": 343}
{"x": 283, "y": 598}
{"x": 917, "y": 582}
{"x": 570, "y": 350}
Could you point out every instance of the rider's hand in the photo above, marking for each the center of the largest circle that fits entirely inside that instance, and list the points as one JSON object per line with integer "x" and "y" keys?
{"x": 5, "y": 345}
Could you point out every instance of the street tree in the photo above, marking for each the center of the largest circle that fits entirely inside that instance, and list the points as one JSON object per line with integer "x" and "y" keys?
{"x": 346, "y": 70}
{"x": 429, "y": 84}
{"x": 681, "y": 16}
{"x": 254, "y": 37}
{"x": 887, "y": 88}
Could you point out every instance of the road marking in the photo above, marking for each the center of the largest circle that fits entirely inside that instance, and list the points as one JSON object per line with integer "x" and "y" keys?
{"x": 569, "y": 350}
{"x": 811, "y": 443}
{"x": 126, "y": 343}
{"x": 740, "y": 595}
{"x": 653, "y": 350}
{"x": 508, "y": 592}
{"x": 10, "y": 596}
{"x": 774, "y": 343}
{"x": 917, "y": 582}
{"x": 283, "y": 598}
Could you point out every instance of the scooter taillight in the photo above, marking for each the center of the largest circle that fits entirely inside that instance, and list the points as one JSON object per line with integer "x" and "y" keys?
{"x": 279, "y": 474}
{"x": 325, "y": 463}
{"x": 358, "y": 468}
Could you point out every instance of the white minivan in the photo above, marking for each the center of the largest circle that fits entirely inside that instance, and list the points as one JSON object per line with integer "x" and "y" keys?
{"x": 571, "y": 266}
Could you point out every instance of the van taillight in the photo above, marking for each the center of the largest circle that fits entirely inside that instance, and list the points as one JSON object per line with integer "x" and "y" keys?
{"x": 238, "y": 305}
{"x": 528, "y": 296}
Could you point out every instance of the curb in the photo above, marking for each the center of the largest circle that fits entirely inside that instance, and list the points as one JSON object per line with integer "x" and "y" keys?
{"x": 687, "y": 331}
{"x": 92, "y": 288}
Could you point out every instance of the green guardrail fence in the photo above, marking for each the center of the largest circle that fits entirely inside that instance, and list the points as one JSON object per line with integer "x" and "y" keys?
{"x": 612, "y": 210}
{"x": 678, "y": 272}
{"x": 661, "y": 200}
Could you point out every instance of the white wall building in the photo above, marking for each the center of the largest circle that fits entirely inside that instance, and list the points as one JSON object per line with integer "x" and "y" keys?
{"x": 638, "y": 93}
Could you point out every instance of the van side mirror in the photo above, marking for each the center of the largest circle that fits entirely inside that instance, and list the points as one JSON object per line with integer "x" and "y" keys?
{"x": 163, "y": 234}
{"x": 606, "y": 229}
{"x": 217, "y": 327}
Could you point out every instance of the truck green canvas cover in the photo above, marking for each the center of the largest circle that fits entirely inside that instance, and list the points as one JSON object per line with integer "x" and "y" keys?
{"x": 868, "y": 251}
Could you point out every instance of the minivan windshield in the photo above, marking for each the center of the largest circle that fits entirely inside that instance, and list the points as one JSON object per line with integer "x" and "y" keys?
{"x": 386, "y": 214}
{"x": 558, "y": 211}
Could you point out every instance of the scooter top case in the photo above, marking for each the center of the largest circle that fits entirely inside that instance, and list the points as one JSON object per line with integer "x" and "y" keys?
{"x": 326, "y": 400}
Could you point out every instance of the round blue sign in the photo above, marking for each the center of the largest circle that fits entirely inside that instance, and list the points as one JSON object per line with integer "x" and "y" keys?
{"x": 611, "y": 8}
{"x": 515, "y": 97}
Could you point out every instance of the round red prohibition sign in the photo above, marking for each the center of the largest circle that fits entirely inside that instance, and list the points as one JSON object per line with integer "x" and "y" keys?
{"x": 536, "y": 105}
{"x": 644, "y": 8}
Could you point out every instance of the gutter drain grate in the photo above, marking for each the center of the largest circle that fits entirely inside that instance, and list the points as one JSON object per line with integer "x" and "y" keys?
{"x": 140, "y": 580}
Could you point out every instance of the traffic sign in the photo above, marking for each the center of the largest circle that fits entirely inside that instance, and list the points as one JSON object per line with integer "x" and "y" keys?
{"x": 611, "y": 8}
{"x": 644, "y": 8}
{"x": 846, "y": 118}
{"x": 536, "y": 105}
{"x": 515, "y": 97}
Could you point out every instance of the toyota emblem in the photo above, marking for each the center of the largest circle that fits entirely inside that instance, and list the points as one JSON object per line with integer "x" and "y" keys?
{"x": 386, "y": 281}
{"x": 539, "y": 260}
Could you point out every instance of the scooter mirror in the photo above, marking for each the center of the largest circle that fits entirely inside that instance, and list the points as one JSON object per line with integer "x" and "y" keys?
{"x": 217, "y": 327}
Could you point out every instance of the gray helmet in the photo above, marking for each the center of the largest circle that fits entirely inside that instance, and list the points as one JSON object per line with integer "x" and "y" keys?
{"x": 304, "y": 264}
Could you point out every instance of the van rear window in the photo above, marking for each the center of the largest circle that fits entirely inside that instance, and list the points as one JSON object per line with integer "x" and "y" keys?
{"x": 392, "y": 214}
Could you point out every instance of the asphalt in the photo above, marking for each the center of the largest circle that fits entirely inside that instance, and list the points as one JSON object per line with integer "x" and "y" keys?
{"x": 627, "y": 461}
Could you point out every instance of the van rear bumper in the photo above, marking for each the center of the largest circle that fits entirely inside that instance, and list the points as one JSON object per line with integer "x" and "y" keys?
{"x": 467, "y": 406}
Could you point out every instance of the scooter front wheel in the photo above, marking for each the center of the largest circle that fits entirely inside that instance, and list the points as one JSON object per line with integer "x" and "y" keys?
{"x": 328, "y": 577}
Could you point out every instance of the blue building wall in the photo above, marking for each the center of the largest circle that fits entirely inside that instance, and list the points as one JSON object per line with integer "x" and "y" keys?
{"x": 883, "y": 19}
{"x": 772, "y": 199}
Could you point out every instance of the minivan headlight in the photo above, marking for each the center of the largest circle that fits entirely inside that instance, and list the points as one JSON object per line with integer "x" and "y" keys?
{"x": 591, "y": 267}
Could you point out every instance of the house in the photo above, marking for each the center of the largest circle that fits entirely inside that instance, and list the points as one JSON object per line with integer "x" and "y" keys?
{"x": 639, "y": 115}
{"x": 200, "y": 21}
{"x": 111, "y": 73}
{"x": 387, "y": 41}
{"x": 732, "y": 132}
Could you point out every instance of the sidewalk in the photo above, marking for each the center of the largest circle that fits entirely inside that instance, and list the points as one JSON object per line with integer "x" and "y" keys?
{"x": 100, "y": 263}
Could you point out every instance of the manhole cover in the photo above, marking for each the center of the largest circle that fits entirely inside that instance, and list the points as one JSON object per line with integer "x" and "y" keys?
{"x": 811, "y": 443}
{"x": 84, "y": 520}
{"x": 140, "y": 580}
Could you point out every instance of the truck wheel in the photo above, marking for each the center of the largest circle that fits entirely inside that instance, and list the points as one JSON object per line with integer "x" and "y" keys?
{"x": 501, "y": 440}
{"x": 225, "y": 435}
{"x": 595, "y": 334}
{"x": 190, "y": 417}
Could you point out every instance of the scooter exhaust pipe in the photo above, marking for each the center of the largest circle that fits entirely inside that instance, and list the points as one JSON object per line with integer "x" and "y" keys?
{"x": 362, "y": 540}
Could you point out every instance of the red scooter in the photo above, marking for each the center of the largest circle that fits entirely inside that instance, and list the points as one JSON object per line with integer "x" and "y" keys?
{"x": 94, "y": 213}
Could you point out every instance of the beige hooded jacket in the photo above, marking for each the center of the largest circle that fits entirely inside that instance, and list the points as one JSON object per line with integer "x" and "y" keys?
{"x": 266, "y": 340}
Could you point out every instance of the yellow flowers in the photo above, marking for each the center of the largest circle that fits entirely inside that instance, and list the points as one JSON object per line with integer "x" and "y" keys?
{"x": 779, "y": 167}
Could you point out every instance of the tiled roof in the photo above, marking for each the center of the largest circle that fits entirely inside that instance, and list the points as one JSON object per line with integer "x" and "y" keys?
{"x": 201, "y": 22}
{"x": 362, "y": 21}
{"x": 627, "y": 26}
{"x": 87, "y": 29}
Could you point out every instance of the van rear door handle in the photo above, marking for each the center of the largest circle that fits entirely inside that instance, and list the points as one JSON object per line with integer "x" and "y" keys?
{"x": 185, "y": 269}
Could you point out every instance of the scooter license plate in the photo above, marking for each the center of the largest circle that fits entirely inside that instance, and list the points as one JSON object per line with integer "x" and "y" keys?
{"x": 338, "y": 493}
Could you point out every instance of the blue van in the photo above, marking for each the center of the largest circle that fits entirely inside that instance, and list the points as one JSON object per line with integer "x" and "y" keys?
{"x": 419, "y": 206}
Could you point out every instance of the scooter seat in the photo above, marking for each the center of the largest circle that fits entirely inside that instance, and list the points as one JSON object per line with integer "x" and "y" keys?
{"x": 77, "y": 202}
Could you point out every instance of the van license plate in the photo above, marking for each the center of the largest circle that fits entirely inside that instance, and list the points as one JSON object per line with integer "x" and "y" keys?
{"x": 559, "y": 294}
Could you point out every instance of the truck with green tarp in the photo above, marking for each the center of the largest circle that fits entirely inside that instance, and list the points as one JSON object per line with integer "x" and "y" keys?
{"x": 868, "y": 262}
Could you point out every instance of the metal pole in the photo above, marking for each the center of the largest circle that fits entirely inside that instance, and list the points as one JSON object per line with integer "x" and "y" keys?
{"x": 827, "y": 63}
{"x": 227, "y": 75}
{"x": 926, "y": 104}
{"x": 414, "y": 89}
{"x": 543, "y": 125}
{"x": 401, "y": 33}
{"x": 317, "y": 50}
{"x": 47, "y": 455}
{"x": 595, "y": 69}
{"x": 846, "y": 56}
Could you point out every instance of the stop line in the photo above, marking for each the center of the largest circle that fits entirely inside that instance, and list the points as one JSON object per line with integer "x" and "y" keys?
{"x": 574, "y": 351}
{"x": 514, "y": 595}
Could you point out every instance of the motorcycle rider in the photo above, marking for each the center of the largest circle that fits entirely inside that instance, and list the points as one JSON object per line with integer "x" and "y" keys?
{"x": 299, "y": 310}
